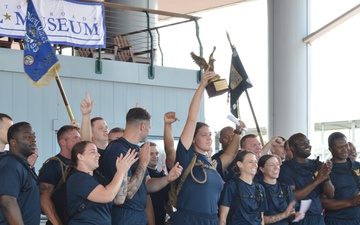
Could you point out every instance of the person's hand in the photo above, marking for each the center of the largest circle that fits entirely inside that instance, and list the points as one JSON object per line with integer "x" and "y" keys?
{"x": 324, "y": 172}
{"x": 86, "y": 105}
{"x": 208, "y": 75}
{"x": 74, "y": 123}
{"x": 123, "y": 163}
{"x": 241, "y": 126}
{"x": 170, "y": 117}
{"x": 175, "y": 172}
{"x": 328, "y": 165}
{"x": 276, "y": 141}
{"x": 214, "y": 163}
{"x": 144, "y": 155}
{"x": 298, "y": 216}
{"x": 355, "y": 200}
{"x": 289, "y": 209}
{"x": 33, "y": 157}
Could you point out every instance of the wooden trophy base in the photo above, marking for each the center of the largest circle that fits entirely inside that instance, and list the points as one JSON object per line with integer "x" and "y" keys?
{"x": 217, "y": 87}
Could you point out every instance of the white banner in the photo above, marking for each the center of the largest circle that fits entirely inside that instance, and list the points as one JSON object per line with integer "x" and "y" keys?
{"x": 67, "y": 22}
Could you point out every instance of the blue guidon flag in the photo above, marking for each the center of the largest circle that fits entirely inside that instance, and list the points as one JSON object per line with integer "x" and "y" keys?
{"x": 40, "y": 61}
{"x": 238, "y": 81}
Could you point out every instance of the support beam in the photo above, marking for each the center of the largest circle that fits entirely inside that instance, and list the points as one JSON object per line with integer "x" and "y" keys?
{"x": 328, "y": 27}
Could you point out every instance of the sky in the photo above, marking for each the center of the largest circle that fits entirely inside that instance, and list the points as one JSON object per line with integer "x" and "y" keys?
{"x": 335, "y": 69}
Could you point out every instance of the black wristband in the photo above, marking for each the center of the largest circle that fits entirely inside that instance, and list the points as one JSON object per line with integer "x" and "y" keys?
{"x": 238, "y": 132}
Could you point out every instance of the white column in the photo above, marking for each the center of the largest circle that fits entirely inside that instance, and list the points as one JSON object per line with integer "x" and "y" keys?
{"x": 289, "y": 90}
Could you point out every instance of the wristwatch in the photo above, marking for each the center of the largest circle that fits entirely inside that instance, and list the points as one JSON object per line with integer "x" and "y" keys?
{"x": 238, "y": 132}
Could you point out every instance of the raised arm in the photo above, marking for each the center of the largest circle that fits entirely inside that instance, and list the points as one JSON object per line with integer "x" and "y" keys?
{"x": 155, "y": 184}
{"x": 135, "y": 180}
{"x": 274, "y": 141}
{"x": 86, "y": 106}
{"x": 232, "y": 149}
{"x": 194, "y": 109}
{"x": 169, "y": 118}
{"x": 106, "y": 194}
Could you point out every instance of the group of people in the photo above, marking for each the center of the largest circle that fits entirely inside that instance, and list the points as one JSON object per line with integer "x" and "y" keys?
{"x": 105, "y": 177}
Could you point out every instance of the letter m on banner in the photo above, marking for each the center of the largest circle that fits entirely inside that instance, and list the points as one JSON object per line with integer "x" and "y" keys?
{"x": 66, "y": 22}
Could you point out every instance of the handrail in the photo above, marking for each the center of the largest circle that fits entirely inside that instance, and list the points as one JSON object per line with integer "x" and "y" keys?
{"x": 158, "y": 27}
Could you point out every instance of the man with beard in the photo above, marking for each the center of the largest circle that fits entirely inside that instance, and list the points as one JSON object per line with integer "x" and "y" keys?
{"x": 19, "y": 185}
{"x": 226, "y": 135}
{"x": 307, "y": 178}
{"x": 138, "y": 124}
{"x": 344, "y": 208}
{"x": 5, "y": 122}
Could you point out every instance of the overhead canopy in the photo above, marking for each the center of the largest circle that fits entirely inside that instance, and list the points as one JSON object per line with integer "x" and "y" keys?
{"x": 337, "y": 125}
{"x": 190, "y": 6}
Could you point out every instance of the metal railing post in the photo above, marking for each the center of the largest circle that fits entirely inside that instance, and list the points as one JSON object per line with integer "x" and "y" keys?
{"x": 151, "y": 73}
{"x": 98, "y": 63}
{"x": 201, "y": 49}
{"x": 162, "y": 55}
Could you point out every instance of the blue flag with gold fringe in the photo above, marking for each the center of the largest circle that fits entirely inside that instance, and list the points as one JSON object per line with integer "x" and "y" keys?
{"x": 40, "y": 61}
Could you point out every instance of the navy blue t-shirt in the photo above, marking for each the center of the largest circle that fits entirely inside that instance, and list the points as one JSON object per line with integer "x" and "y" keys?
{"x": 13, "y": 178}
{"x": 195, "y": 197}
{"x": 247, "y": 203}
{"x": 228, "y": 173}
{"x": 299, "y": 175}
{"x": 138, "y": 202}
{"x": 51, "y": 173}
{"x": 345, "y": 177}
{"x": 278, "y": 198}
{"x": 160, "y": 198}
{"x": 78, "y": 187}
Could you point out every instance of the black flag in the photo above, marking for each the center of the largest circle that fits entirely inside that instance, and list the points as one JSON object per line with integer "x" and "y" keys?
{"x": 238, "y": 81}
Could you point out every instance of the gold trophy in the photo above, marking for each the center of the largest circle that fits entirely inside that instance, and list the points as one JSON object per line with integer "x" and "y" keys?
{"x": 216, "y": 86}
